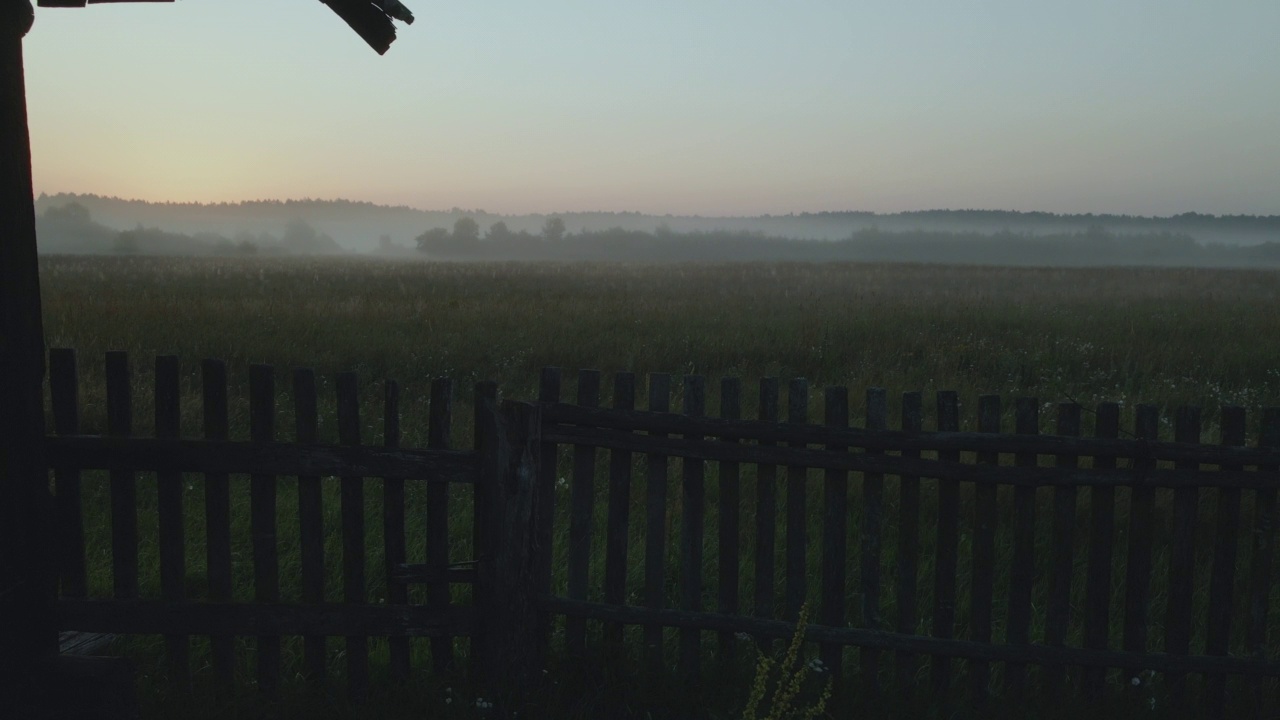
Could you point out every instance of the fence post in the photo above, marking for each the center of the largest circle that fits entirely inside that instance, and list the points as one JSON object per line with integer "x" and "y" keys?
{"x": 508, "y": 644}
{"x": 27, "y": 561}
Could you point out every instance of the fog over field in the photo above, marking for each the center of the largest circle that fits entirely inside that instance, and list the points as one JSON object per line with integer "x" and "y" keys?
{"x": 72, "y": 223}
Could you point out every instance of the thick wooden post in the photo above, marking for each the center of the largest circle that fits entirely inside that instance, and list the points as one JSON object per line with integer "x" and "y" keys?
{"x": 27, "y": 560}
{"x": 509, "y": 647}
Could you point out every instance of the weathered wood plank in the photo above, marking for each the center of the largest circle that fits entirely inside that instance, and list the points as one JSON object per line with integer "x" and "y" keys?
{"x": 410, "y": 573}
{"x": 124, "y": 491}
{"x": 1182, "y": 558}
{"x": 581, "y": 512}
{"x": 1061, "y": 559}
{"x": 692, "y": 530}
{"x": 262, "y": 508}
{"x": 353, "y": 536}
{"x": 1023, "y": 571}
{"x": 1137, "y": 584}
{"x": 917, "y": 644}
{"x": 797, "y": 516}
{"x": 655, "y": 547}
{"x": 617, "y": 533}
{"x": 908, "y": 567}
{"x": 169, "y": 488}
{"x": 871, "y": 545}
{"x": 888, "y": 441}
{"x": 985, "y": 517}
{"x": 1222, "y": 579}
{"x": 717, "y": 450}
{"x": 948, "y": 540}
{"x": 310, "y": 520}
{"x": 64, "y": 393}
{"x": 1102, "y": 507}
{"x": 508, "y": 646}
{"x": 225, "y": 619}
{"x": 394, "y": 550}
{"x": 835, "y": 538}
{"x": 223, "y": 457}
{"x": 549, "y": 383}
{"x": 217, "y": 508}
{"x": 439, "y": 431}
{"x": 1260, "y": 573}
{"x": 766, "y": 509}
{"x": 729, "y": 525}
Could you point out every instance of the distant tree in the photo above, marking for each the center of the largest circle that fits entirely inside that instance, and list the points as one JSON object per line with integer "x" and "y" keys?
{"x": 247, "y": 247}
{"x": 126, "y": 243}
{"x": 384, "y": 244}
{"x": 72, "y": 212}
{"x": 553, "y": 229}
{"x": 498, "y": 232}
{"x": 466, "y": 230}
{"x": 433, "y": 239}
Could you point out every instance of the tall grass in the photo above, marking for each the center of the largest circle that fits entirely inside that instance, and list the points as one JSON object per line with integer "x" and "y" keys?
{"x": 1169, "y": 336}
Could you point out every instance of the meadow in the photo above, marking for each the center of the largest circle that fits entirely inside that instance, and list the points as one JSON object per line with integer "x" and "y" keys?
{"x": 1166, "y": 336}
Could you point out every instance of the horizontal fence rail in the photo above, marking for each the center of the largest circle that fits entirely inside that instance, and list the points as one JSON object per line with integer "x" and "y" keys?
{"x": 976, "y": 563}
{"x": 85, "y": 452}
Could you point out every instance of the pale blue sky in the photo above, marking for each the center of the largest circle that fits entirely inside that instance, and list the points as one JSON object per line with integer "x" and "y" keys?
{"x": 746, "y": 107}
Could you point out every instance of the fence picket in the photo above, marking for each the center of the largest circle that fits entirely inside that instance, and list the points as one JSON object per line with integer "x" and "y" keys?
{"x": 1061, "y": 560}
{"x": 124, "y": 490}
{"x": 1222, "y": 580}
{"x": 908, "y": 567}
{"x": 730, "y": 501}
{"x": 581, "y": 511}
{"x": 262, "y": 502}
{"x": 1182, "y": 557}
{"x": 545, "y": 513}
{"x": 173, "y": 570}
{"x": 766, "y": 510}
{"x": 985, "y": 517}
{"x": 1137, "y": 584}
{"x": 944, "y": 584}
{"x": 1023, "y": 571}
{"x": 393, "y": 528}
{"x": 1102, "y": 508}
{"x": 871, "y": 545}
{"x": 655, "y": 525}
{"x": 797, "y": 519}
{"x": 217, "y": 508}
{"x": 1264, "y": 539}
{"x": 353, "y": 540}
{"x": 835, "y": 531}
{"x": 64, "y": 392}
{"x": 439, "y": 429}
{"x": 310, "y": 520}
{"x": 693, "y": 501}
{"x": 617, "y": 533}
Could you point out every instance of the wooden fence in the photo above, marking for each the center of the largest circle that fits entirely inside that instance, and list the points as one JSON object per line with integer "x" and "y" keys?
{"x": 974, "y": 554}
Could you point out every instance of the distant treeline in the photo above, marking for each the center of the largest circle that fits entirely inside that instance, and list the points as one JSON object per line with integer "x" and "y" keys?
{"x": 71, "y": 229}
{"x": 1094, "y": 246}
{"x": 359, "y": 226}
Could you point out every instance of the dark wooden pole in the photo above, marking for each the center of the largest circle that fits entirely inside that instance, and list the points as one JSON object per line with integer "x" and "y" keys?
{"x": 508, "y": 641}
{"x": 27, "y": 630}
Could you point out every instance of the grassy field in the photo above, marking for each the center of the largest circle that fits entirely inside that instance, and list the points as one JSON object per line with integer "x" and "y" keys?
{"x": 1171, "y": 337}
{"x": 1199, "y": 337}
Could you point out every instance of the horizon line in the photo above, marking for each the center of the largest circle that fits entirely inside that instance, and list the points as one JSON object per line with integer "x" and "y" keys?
{"x": 480, "y": 211}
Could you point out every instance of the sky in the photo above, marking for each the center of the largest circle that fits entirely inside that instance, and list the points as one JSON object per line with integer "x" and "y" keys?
{"x": 709, "y": 107}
